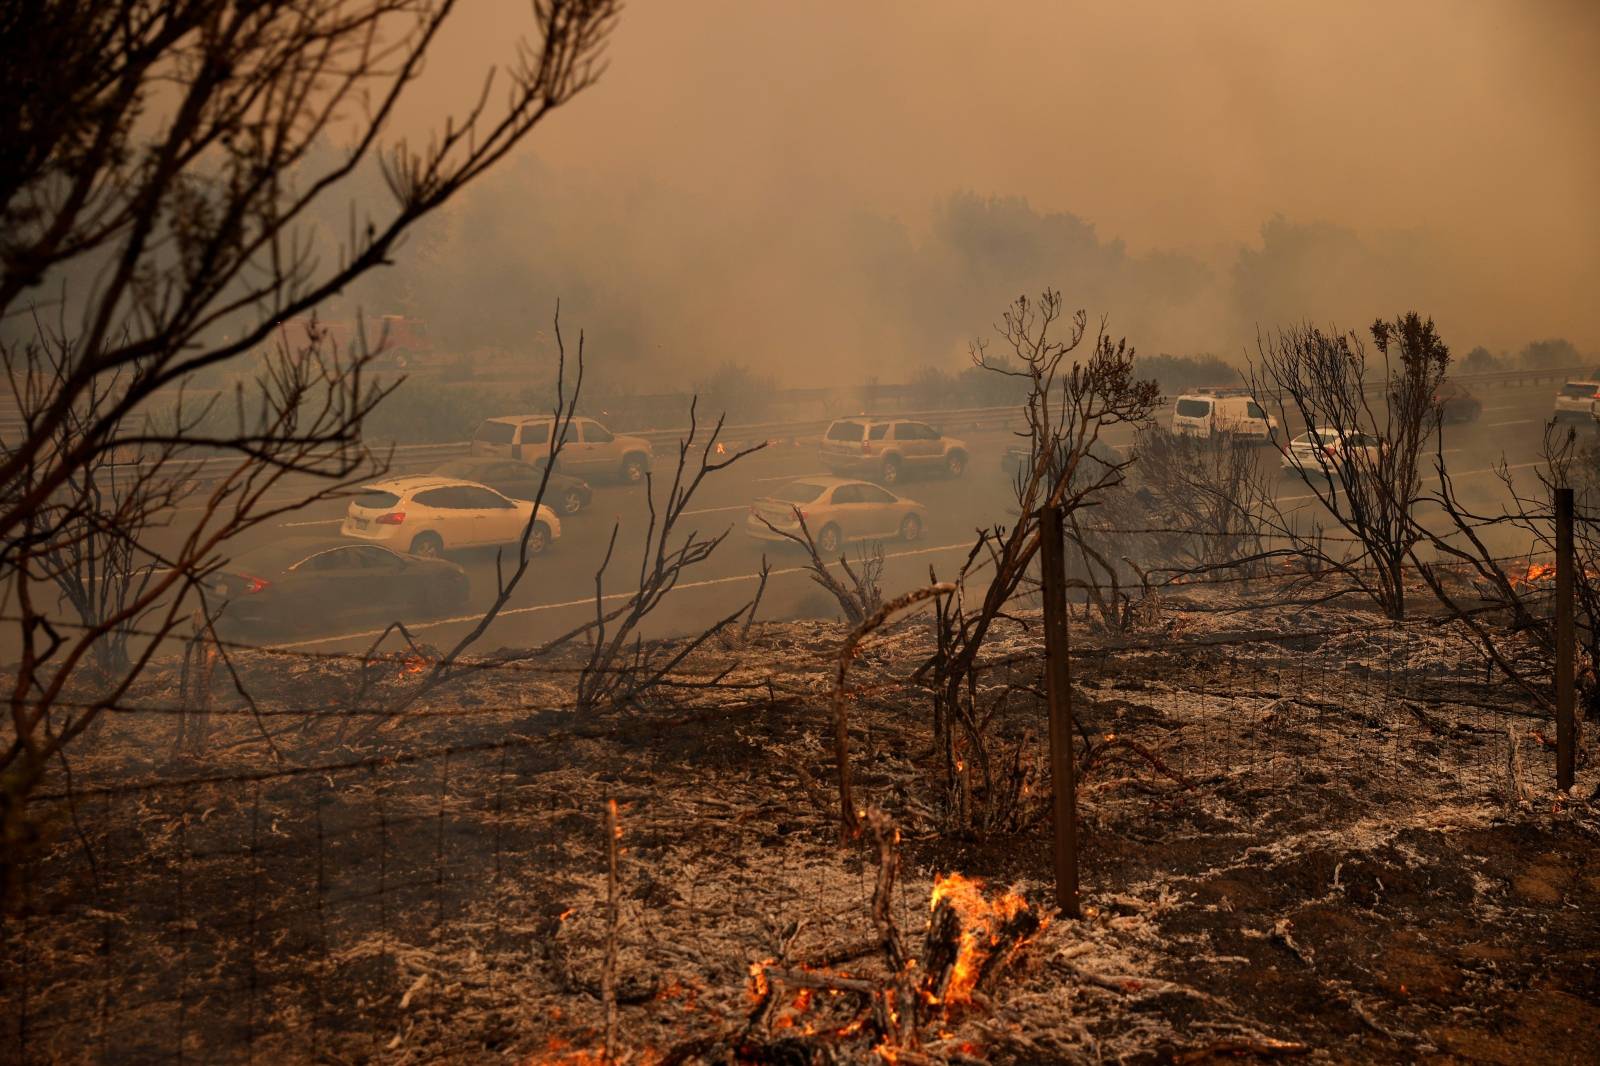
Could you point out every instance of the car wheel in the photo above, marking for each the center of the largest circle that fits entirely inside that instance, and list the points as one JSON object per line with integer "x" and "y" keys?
{"x": 571, "y": 502}
{"x": 633, "y": 469}
{"x": 910, "y": 527}
{"x": 955, "y": 464}
{"x": 891, "y": 471}
{"x": 828, "y": 540}
{"x": 538, "y": 538}
{"x": 427, "y": 545}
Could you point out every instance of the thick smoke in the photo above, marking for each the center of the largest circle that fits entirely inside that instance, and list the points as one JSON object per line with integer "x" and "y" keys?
{"x": 829, "y": 194}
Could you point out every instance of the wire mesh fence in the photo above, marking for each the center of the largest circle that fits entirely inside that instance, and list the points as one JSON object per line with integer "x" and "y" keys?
{"x": 442, "y": 893}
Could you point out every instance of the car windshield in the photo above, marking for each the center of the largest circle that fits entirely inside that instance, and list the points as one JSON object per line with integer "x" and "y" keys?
{"x": 845, "y": 431}
{"x": 1194, "y": 408}
{"x": 496, "y": 433}
{"x": 377, "y": 499}
{"x": 798, "y": 492}
{"x": 1578, "y": 388}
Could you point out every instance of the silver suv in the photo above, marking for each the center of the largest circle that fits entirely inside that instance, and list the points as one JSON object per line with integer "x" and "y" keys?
{"x": 589, "y": 451}
{"x": 888, "y": 448}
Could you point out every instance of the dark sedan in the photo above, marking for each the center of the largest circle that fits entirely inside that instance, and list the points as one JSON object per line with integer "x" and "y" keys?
{"x": 1456, "y": 404}
{"x": 301, "y": 581}
{"x": 564, "y": 494}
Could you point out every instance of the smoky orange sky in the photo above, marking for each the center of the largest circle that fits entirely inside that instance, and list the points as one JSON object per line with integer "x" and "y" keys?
{"x": 728, "y": 156}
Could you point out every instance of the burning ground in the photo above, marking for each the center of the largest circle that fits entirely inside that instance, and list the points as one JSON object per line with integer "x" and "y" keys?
{"x": 1306, "y": 833}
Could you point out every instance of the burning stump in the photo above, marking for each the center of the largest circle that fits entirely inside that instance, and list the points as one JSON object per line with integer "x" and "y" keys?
{"x": 970, "y": 941}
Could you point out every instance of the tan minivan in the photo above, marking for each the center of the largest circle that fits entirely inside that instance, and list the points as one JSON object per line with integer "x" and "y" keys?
{"x": 590, "y": 451}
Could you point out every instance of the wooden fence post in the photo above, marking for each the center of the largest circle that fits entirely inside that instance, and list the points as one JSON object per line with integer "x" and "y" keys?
{"x": 1566, "y": 727}
{"x": 1058, "y": 690}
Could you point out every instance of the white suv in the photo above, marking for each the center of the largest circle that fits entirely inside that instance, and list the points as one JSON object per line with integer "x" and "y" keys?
{"x": 427, "y": 515}
{"x": 1576, "y": 400}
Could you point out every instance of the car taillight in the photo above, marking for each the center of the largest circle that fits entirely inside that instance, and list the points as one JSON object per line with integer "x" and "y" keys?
{"x": 393, "y": 518}
{"x": 255, "y": 584}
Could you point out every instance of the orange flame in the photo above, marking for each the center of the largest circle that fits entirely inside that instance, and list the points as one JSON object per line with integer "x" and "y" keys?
{"x": 1537, "y": 573}
{"x": 759, "y": 985}
{"x": 980, "y": 928}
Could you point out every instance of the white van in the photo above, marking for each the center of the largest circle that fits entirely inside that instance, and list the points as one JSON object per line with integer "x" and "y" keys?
{"x": 1203, "y": 414}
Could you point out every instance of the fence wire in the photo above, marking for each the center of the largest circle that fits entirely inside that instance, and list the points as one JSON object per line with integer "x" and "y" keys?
{"x": 415, "y": 899}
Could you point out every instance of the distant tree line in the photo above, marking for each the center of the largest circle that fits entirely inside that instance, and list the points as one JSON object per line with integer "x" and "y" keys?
{"x": 1537, "y": 355}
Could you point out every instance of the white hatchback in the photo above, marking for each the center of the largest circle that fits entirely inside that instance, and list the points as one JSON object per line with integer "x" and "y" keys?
{"x": 427, "y": 515}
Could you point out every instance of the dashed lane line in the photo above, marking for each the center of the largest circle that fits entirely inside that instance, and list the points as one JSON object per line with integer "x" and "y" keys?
{"x": 339, "y": 521}
{"x": 1453, "y": 476}
{"x": 786, "y": 477}
{"x": 719, "y": 510}
{"x": 589, "y": 600}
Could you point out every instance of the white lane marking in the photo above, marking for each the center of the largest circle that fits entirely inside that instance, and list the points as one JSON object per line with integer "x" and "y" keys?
{"x": 318, "y": 522}
{"x": 786, "y": 477}
{"x": 132, "y": 578}
{"x": 1453, "y": 476}
{"x": 719, "y": 510}
{"x": 588, "y": 601}
{"x": 1513, "y": 422}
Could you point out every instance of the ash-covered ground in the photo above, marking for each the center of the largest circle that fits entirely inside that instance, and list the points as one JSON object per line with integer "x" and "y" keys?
{"x": 1306, "y": 833}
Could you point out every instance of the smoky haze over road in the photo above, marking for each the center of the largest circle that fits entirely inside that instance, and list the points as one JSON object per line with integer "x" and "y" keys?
{"x": 819, "y": 196}
{"x": 558, "y": 591}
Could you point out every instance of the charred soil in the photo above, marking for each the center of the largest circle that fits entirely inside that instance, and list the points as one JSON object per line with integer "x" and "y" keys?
{"x": 1347, "y": 849}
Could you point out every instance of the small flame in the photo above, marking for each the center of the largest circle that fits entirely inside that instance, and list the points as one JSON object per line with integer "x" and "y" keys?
{"x": 759, "y": 985}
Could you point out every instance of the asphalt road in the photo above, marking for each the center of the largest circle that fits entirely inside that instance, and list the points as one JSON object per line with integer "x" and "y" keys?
{"x": 558, "y": 591}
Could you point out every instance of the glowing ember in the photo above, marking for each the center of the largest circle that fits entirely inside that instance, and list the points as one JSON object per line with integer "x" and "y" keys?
{"x": 557, "y": 1052}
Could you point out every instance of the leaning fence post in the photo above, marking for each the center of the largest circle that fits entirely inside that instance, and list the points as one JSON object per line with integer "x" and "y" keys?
{"x": 1566, "y": 731}
{"x": 1058, "y": 692}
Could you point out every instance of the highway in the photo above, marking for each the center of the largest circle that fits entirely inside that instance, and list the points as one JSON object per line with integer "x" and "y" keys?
{"x": 558, "y": 591}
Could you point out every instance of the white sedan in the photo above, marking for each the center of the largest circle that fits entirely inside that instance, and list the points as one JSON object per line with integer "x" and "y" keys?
{"x": 426, "y": 515}
{"x": 1323, "y": 451}
{"x": 835, "y": 510}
